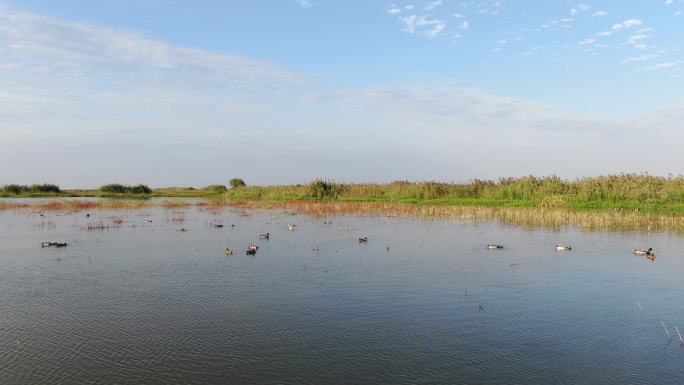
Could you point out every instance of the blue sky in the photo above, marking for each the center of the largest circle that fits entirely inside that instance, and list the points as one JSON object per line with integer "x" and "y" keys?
{"x": 280, "y": 91}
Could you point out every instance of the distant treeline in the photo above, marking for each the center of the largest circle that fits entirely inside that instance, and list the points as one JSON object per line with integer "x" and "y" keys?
{"x": 34, "y": 189}
{"x": 609, "y": 191}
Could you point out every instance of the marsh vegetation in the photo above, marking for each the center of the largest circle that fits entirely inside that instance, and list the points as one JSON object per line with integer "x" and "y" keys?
{"x": 620, "y": 192}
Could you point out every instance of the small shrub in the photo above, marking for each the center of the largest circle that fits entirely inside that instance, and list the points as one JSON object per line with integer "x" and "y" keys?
{"x": 217, "y": 188}
{"x": 319, "y": 189}
{"x": 237, "y": 183}
{"x": 115, "y": 188}
{"x": 16, "y": 189}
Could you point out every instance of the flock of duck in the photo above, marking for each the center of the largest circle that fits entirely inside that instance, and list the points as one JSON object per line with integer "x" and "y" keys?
{"x": 252, "y": 248}
{"x": 650, "y": 254}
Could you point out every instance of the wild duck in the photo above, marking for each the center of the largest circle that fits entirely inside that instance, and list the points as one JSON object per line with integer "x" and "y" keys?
{"x": 563, "y": 247}
{"x": 291, "y": 226}
{"x": 265, "y": 236}
{"x": 492, "y": 247}
{"x": 363, "y": 240}
{"x": 229, "y": 251}
{"x": 53, "y": 244}
{"x": 644, "y": 252}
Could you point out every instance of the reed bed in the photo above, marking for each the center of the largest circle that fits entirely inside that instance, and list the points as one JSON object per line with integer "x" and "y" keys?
{"x": 529, "y": 217}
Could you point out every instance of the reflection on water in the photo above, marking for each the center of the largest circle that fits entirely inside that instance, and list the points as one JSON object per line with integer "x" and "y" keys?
{"x": 133, "y": 300}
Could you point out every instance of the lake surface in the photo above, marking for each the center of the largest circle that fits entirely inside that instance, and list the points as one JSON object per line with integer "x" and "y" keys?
{"x": 136, "y": 302}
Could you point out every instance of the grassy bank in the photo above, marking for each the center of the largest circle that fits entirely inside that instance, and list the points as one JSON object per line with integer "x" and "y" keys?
{"x": 613, "y": 192}
{"x": 624, "y": 192}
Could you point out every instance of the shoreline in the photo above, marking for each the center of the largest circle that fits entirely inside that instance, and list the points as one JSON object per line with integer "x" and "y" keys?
{"x": 595, "y": 219}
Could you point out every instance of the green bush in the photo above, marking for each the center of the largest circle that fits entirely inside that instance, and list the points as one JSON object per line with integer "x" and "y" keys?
{"x": 115, "y": 188}
{"x": 16, "y": 189}
{"x": 319, "y": 189}
{"x": 237, "y": 182}
{"x": 217, "y": 188}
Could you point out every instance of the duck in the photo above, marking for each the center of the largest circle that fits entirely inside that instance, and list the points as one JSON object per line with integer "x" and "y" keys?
{"x": 229, "y": 251}
{"x": 644, "y": 252}
{"x": 252, "y": 247}
{"x": 265, "y": 236}
{"x": 251, "y": 252}
{"x": 217, "y": 226}
{"x": 563, "y": 247}
{"x": 291, "y": 226}
{"x": 53, "y": 244}
{"x": 363, "y": 240}
{"x": 148, "y": 221}
{"x": 492, "y": 247}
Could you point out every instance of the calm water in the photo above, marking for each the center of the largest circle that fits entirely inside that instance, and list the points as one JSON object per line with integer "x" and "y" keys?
{"x": 144, "y": 303}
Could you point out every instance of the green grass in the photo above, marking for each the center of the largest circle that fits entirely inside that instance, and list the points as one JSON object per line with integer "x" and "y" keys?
{"x": 615, "y": 192}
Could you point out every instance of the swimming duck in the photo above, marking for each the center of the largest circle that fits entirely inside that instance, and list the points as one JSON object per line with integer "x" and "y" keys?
{"x": 250, "y": 252}
{"x": 265, "y": 236}
{"x": 217, "y": 226}
{"x": 363, "y": 240}
{"x": 53, "y": 244}
{"x": 291, "y": 226}
{"x": 253, "y": 247}
{"x": 229, "y": 251}
{"x": 644, "y": 252}
{"x": 491, "y": 247}
{"x": 148, "y": 221}
{"x": 563, "y": 247}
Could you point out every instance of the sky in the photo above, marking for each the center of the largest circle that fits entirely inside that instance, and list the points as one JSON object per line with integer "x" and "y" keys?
{"x": 178, "y": 93}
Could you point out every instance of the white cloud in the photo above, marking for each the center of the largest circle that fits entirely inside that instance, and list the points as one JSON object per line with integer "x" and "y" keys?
{"x": 304, "y": 3}
{"x": 51, "y": 48}
{"x": 637, "y": 38}
{"x": 627, "y": 24}
{"x": 423, "y": 25}
{"x": 583, "y": 7}
{"x": 661, "y": 66}
{"x": 639, "y": 58}
{"x": 432, "y": 5}
{"x": 587, "y": 42}
{"x": 464, "y": 25}
{"x": 669, "y": 2}
{"x": 393, "y": 11}
{"x": 600, "y": 14}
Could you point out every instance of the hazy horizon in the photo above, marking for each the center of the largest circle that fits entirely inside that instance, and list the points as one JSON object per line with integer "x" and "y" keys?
{"x": 283, "y": 91}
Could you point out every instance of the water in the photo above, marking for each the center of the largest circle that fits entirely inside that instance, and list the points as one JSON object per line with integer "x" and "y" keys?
{"x": 144, "y": 303}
